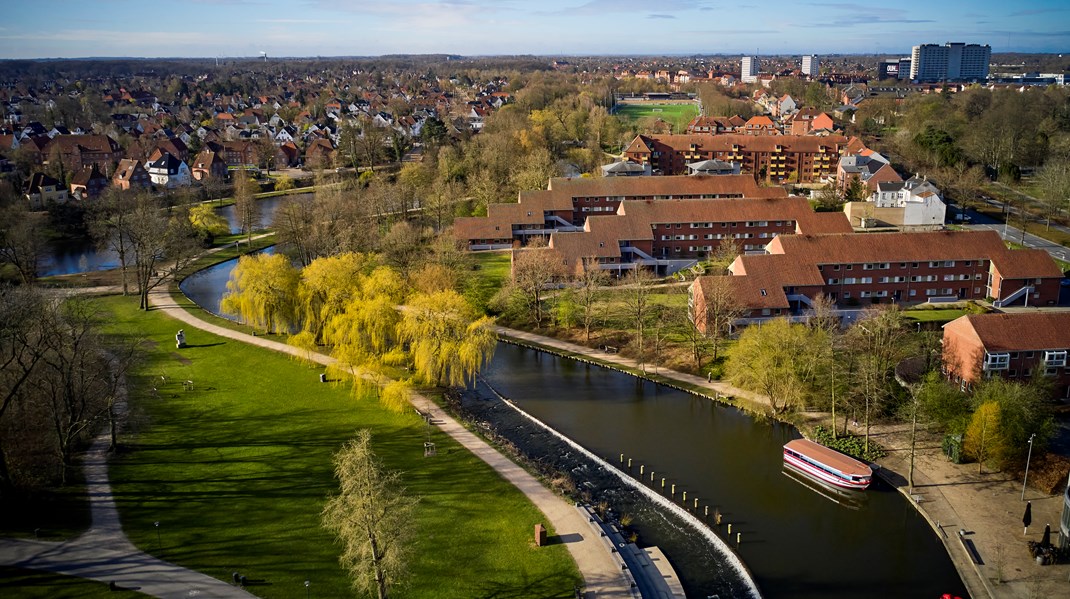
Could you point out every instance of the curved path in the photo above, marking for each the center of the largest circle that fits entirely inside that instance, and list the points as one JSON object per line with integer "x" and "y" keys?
{"x": 601, "y": 575}
{"x": 104, "y": 553}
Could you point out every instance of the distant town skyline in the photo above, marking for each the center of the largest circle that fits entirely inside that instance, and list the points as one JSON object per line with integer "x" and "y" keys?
{"x": 287, "y": 28}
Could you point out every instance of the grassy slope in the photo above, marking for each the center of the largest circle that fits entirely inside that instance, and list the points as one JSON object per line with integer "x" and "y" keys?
{"x": 237, "y": 470}
{"x": 31, "y": 584}
{"x": 491, "y": 274}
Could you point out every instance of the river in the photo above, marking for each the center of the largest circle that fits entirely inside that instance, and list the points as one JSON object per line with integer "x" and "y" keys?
{"x": 72, "y": 256}
{"x": 799, "y": 540}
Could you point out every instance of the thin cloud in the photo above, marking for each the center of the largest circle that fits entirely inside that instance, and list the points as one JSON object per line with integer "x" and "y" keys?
{"x": 660, "y": 17}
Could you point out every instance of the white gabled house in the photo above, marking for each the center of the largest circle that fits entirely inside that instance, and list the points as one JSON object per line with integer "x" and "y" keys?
{"x": 168, "y": 171}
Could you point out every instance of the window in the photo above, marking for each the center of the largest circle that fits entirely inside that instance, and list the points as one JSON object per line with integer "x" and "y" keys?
{"x": 864, "y": 294}
{"x": 1001, "y": 361}
{"x": 977, "y": 277}
{"x": 834, "y": 282}
{"x": 1055, "y": 358}
{"x": 849, "y": 267}
{"x": 850, "y": 281}
{"x": 913, "y": 292}
{"x": 949, "y": 277}
{"x": 836, "y": 267}
{"x": 868, "y": 266}
{"x": 949, "y": 264}
{"x": 913, "y": 265}
{"x": 846, "y": 294}
{"x": 866, "y": 280}
{"x": 763, "y": 292}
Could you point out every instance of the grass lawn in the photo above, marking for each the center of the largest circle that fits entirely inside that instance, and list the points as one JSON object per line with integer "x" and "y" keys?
{"x": 945, "y": 315}
{"x": 679, "y": 115}
{"x": 33, "y": 584}
{"x": 237, "y": 470}
{"x": 490, "y": 274}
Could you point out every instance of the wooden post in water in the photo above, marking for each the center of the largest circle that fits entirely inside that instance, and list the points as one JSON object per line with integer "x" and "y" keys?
{"x": 739, "y": 535}
{"x": 622, "y": 458}
{"x": 717, "y": 516}
{"x": 696, "y": 503}
{"x": 651, "y": 476}
{"x": 674, "y": 489}
{"x": 642, "y": 467}
{"x": 706, "y": 512}
{"x": 729, "y": 529}
{"x": 684, "y": 500}
{"x": 663, "y": 483}
{"x": 629, "y": 464}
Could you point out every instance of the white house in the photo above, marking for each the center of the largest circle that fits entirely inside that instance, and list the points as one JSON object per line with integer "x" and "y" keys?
{"x": 169, "y": 172}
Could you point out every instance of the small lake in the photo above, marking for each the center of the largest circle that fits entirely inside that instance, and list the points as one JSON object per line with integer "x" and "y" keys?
{"x": 207, "y": 287}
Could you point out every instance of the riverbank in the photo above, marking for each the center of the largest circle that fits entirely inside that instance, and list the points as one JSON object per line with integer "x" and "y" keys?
{"x": 952, "y": 497}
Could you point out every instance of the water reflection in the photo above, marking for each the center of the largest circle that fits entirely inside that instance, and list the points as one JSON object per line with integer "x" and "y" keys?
{"x": 207, "y": 287}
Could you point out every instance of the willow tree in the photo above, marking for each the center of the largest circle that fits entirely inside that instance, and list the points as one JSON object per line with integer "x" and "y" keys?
{"x": 327, "y": 286}
{"x": 207, "y": 221}
{"x": 262, "y": 291}
{"x": 778, "y": 359}
{"x": 364, "y": 333}
{"x": 372, "y": 517}
{"x": 448, "y": 341}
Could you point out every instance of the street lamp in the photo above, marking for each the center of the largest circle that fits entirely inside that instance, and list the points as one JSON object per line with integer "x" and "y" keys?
{"x": 158, "y": 543}
{"x": 307, "y": 583}
{"x": 1027, "y": 458}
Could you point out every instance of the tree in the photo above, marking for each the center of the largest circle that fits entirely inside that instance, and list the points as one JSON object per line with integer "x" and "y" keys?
{"x": 371, "y": 516}
{"x": 589, "y": 283}
{"x": 776, "y": 358}
{"x": 22, "y": 240}
{"x": 724, "y": 255}
{"x": 160, "y": 246}
{"x": 1054, "y": 182}
{"x": 535, "y": 269}
{"x": 447, "y": 341}
{"x": 639, "y": 284}
{"x": 23, "y": 311}
{"x": 262, "y": 290}
{"x": 265, "y": 153}
{"x": 108, "y": 226}
{"x": 829, "y": 197}
{"x": 245, "y": 206}
{"x": 877, "y": 341}
{"x": 1024, "y": 409}
{"x": 983, "y": 437}
{"x": 721, "y": 310}
{"x": 328, "y": 284}
{"x": 207, "y": 222}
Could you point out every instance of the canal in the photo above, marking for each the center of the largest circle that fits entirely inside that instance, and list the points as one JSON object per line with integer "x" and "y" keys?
{"x": 799, "y": 540}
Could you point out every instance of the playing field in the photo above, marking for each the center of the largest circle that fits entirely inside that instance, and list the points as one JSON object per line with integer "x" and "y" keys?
{"x": 678, "y": 114}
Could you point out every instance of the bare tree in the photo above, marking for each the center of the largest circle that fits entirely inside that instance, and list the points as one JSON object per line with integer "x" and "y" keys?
{"x": 245, "y": 206}
{"x": 108, "y": 226}
{"x": 22, "y": 240}
{"x": 160, "y": 246}
{"x": 639, "y": 284}
{"x": 372, "y": 517}
{"x": 720, "y": 311}
{"x": 534, "y": 270}
{"x": 877, "y": 342}
{"x": 589, "y": 285}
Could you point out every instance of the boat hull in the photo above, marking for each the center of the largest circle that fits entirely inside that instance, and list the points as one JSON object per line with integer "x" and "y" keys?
{"x": 825, "y": 477}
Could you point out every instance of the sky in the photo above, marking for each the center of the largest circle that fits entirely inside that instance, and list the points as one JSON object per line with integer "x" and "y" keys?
{"x": 235, "y": 28}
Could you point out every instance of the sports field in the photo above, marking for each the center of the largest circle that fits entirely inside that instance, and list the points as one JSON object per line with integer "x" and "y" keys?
{"x": 678, "y": 114}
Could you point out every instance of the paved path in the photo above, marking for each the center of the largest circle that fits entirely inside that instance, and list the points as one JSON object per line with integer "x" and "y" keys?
{"x": 104, "y": 553}
{"x": 600, "y": 573}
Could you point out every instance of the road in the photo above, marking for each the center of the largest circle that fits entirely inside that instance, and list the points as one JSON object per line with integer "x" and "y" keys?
{"x": 981, "y": 222}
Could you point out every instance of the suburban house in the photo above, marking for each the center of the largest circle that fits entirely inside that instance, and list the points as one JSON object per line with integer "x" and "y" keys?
{"x": 760, "y": 125}
{"x": 88, "y": 183}
{"x": 42, "y": 190}
{"x": 776, "y": 158}
{"x": 715, "y": 125}
{"x": 130, "y": 174}
{"x": 1016, "y": 346}
{"x": 866, "y": 166}
{"x": 566, "y": 204}
{"x": 168, "y": 171}
{"x": 209, "y": 165}
{"x": 915, "y": 202}
{"x": 80, "y": 151}
{"x": 319, "y": 153}
{"x": 625, "y": 168}
{"x": 858, "y": 269}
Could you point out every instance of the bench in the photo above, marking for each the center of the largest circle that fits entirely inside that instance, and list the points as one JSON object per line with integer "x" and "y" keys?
{"x": 609, "y": 349}
{"x": 971, "y": 549}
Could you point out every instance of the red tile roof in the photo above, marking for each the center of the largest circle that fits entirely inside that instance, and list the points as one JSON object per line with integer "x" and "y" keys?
{"x": 1016, "y": 331}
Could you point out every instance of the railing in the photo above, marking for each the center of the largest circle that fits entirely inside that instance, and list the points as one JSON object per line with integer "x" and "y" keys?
{"x": 1013, "y": 297}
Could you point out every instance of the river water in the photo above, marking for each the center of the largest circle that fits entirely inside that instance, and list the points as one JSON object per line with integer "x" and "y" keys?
{"x": 799, "y": 539}
{"x": 72, "y": 256}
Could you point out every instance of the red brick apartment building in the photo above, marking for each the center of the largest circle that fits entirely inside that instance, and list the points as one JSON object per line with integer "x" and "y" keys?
{"x": 566, "y": 204}
{"x": 665, "y": 235}
{"x": 774, "y": 158}
{"x": 856, "y": 270}
{"x": 1014, "y": 346}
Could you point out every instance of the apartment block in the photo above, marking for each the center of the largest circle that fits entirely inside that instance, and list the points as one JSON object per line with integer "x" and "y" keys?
{"x": 811, "y": 65}
{"x": 949, "y": 62}
{"x": 749, "y": 69}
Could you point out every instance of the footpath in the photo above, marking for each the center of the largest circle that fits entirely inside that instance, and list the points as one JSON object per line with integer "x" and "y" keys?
{"x": 986, "y": 507}
{"x": 602, "y": 577}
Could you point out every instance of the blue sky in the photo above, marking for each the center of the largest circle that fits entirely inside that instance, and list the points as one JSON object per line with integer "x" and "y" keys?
{"x": 208, "y": 28}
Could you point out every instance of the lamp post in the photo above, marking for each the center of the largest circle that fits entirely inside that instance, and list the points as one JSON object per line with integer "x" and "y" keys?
{"x": 307, "y": 584}
{"x": 1027, "y": 458}
{"x": 158, "y": 543}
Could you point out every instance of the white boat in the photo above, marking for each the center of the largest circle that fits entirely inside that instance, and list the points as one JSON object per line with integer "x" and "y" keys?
{"x": 827, "y": 465}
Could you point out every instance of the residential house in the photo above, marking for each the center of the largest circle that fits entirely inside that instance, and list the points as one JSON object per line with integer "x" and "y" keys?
{"x": 867, "y": 166}
{"x": 88, "y": 183}
{"x": 42, "y": 190}
{"x": 1019, "y": 346}
{"x": 130, "y": 174}
{"x": 715, "y": 125}
{"x": 760, "y": 125}
{"x": 168, "y": 171}
{"x": 319, "y": 153}
{"x": 208, "y": 164}
{"x": 915, "y": 202}
{"x": 81, "y": 151}
{"x": 858, "y": 269}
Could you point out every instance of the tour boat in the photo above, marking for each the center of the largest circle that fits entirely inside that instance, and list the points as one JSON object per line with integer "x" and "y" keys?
{"x": 827, "y": 465}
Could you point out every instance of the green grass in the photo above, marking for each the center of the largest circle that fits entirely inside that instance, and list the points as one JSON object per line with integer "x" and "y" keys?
{"x": 237, "y": 471}
{"x": 491, "y": 273}
{"x": 938, "y": 315}
{"x": 33, "y": 584}
{"x": 679, "y": 115}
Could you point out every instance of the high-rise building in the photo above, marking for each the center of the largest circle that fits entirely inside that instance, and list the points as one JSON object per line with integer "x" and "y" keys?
{"x": 811, "y": 65}
{"x": 749, "y": 69}
{"x": 952, "y": 61}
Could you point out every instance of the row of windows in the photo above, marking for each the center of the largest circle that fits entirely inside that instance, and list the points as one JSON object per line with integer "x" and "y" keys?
{"x": 913, "y": 279}
{"x": 886, "y": 265}
{"x": 945, "y": 292}
{"x": 717, "y": 236}
{"x": 725, "y": 225}
{"x": 1002, "y": 361}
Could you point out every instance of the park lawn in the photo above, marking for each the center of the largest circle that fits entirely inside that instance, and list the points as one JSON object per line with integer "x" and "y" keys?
{"x": 35, "y": 584}
{"x": 237, "y": 470}
{"x": 679, "y": 115}
{"x": 944, "y": 315}
{"x": 491, "y": 272}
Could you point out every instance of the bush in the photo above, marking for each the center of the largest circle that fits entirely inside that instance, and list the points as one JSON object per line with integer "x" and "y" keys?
{"x": 852, "y": 445}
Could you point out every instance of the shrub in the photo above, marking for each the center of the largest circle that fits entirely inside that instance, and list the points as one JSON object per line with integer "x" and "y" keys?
{"x": 852, "y": 445}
